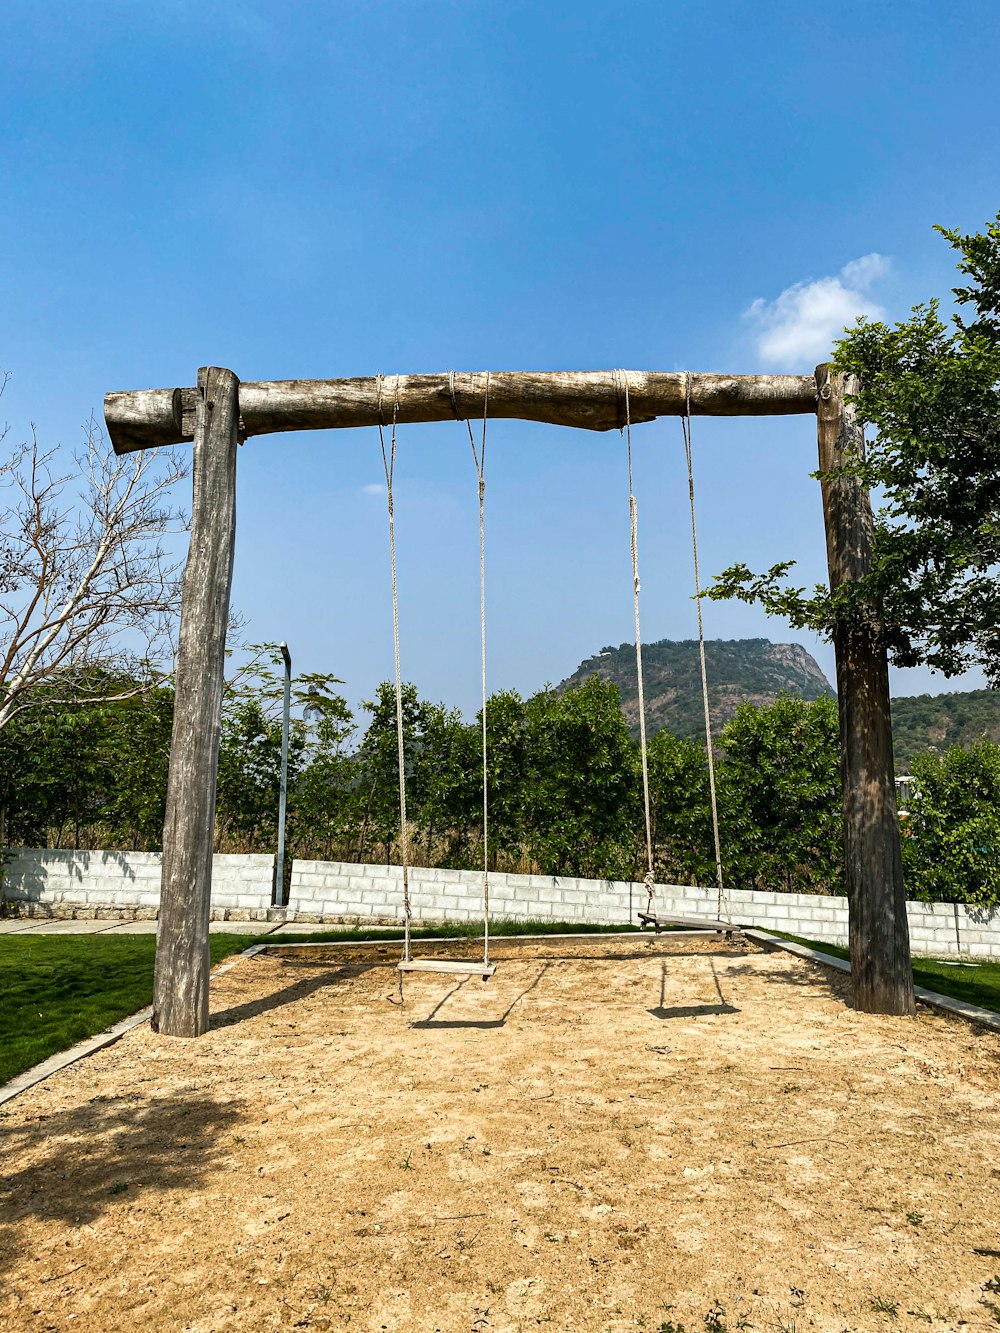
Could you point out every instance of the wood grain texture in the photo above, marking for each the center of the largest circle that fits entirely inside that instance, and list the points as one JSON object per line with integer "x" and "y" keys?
{"x": 659, "y": 922}
{"x": 588, "y": 400}
{"x": 455, "y": 969}
{"x": 180, "y": 987}
{"x": 146, "y": 419}
{"x": 881, "y": 971}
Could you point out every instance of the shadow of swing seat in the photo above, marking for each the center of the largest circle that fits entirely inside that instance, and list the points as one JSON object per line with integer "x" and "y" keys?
{"x": 469, "y": 968}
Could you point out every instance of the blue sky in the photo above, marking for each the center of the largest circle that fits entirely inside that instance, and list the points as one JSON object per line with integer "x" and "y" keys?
{"x": 310, "y": 189}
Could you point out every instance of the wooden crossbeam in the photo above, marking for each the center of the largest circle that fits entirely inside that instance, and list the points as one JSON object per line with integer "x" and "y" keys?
{"x": 456, "y": 969}
{"x": 588, "y": 399}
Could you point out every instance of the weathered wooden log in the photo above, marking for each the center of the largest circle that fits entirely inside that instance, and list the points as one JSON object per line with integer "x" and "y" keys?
{"x": 881, "y": 969}
{"x": 146, "y": 418}
{"x": 592, "y": 400}
{"x": 180, "y": 986}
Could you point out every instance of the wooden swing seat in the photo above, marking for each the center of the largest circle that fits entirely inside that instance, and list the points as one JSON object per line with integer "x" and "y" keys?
{"x": 659, "y": 923}
{"x": 455, "y": 969}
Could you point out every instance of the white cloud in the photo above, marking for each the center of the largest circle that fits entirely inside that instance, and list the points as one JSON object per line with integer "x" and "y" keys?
{"x": 373, "y": 488}
{"x": 798, "y": 328}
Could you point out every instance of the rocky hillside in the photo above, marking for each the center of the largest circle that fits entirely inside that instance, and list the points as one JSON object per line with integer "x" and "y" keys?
{"x": 935, "y": 721}
{"x": 753, "y": 670}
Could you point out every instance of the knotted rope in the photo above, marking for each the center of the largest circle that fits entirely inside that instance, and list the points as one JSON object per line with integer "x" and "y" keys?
{"x": 649, "y": 879}
{"x": 479, "y": 459}
{"x": 389, "y": 464}
{"x": 686, "y": 428}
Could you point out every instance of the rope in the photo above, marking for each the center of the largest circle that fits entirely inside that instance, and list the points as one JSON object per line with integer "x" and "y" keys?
{"x": 454, "y": 400}
{"x": 389, "y": 464}
{"x": 479, "y": 459}
{"x": 649, "y": 879}
{"x": 686, "y": 428}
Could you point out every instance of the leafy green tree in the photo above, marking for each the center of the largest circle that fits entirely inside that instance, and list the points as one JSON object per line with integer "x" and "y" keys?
{"x": 444, "y": 786}
{"x": 951, "y": 834}
{"x": 680, "y": 808}
{"x": 780, "y": 797}
{"x": 581, "y": 792}
{"x": 323, "y": 800}
{"x": 249, "y": 782}
{"x": 138, "y": 737}
{"x": 377, "y": 768}
{"x": 67, "y": 764}
{"x": 30, "y": 799}
{"x": 507, "y": 746}
{"x": 250, "y": 772}
{"x": 930, "y": 393}
{"x": 507, "y": 752}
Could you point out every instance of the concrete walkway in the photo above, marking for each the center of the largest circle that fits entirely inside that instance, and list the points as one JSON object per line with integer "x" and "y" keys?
{"x": 53, "y": 926}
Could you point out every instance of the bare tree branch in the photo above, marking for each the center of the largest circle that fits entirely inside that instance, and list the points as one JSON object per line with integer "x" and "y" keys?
{"x": 90, "y": 590}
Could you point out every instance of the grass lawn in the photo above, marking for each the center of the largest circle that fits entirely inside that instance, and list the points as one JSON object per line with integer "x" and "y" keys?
{"x": 975, "y": 983}
{"x": 55, "y": 990}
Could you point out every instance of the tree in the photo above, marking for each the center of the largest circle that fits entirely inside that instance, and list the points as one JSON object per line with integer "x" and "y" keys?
{"x": 930, "y": 393}
{"x": 951, "y": 834}
{"x": 444, "y": 788}
{"x": 323, "y": 799}
{"x": 779, "y": 797}
{"x": 507, "y": 753}
{"x": 73, "y": 772}
{"x": 581, "y": 790}
{"x": 680, "y": 809}
{"x": 250, "y": 772}
{"x": 88, "y": 589}
{"x": 52, "y": 775}
{"x": 377, "y": 762}
{"x": 137, "y": 734}
{"x": 249, "y": 775}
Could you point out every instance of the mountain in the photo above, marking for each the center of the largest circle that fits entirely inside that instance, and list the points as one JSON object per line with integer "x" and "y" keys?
{"x": 739, "y": 670}
{"x": 935, "y": 721}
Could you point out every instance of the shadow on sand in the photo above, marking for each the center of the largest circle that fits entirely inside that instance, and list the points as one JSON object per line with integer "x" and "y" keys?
{"x": 433, "y": 1022}
{"x": 320, "y": 976}
{"x": 721, "y": 1006}
{"x": 69, "y": 1167}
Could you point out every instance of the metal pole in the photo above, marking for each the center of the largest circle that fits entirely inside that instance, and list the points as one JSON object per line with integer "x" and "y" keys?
{"x": 279, "y": 896}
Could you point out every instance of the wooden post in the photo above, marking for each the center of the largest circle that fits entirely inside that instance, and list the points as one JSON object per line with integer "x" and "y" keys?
{"x": 881, "y": 972}
{"x": 180, "y": 986}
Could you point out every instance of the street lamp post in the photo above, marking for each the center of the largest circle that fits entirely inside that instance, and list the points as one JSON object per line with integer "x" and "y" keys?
{"x": 279, "y": 896}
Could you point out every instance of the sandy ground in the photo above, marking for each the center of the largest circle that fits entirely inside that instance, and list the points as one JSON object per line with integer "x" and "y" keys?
{"x": 616, "y": 1136}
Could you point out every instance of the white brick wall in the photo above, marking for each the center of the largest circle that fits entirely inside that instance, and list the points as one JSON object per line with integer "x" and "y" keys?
{"x": 330, "y": 889}
{"x": 86, "y": 883}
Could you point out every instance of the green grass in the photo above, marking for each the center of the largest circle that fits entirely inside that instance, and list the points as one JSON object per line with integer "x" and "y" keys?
{"x": 56, "y": 990}
{"x": 975, "y": 983}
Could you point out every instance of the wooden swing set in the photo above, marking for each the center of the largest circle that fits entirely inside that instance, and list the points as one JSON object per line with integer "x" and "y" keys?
{"x": 219, "y": 413}
{"x": 649, "y": 917}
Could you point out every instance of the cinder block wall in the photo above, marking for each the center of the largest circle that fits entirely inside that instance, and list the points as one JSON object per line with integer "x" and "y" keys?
{"x": 333, "y": 890}
{"x": 127, "y": 884}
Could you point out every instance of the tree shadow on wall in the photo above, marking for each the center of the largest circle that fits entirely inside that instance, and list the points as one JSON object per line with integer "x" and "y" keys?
{"x": 72, "y": 1166}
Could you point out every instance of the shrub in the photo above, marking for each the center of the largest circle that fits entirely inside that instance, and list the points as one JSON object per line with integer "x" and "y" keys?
{"x": 951, "y": 834}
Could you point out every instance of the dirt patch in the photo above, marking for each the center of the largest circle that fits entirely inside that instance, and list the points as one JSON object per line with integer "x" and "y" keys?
{"x": 621, "y": 1135}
